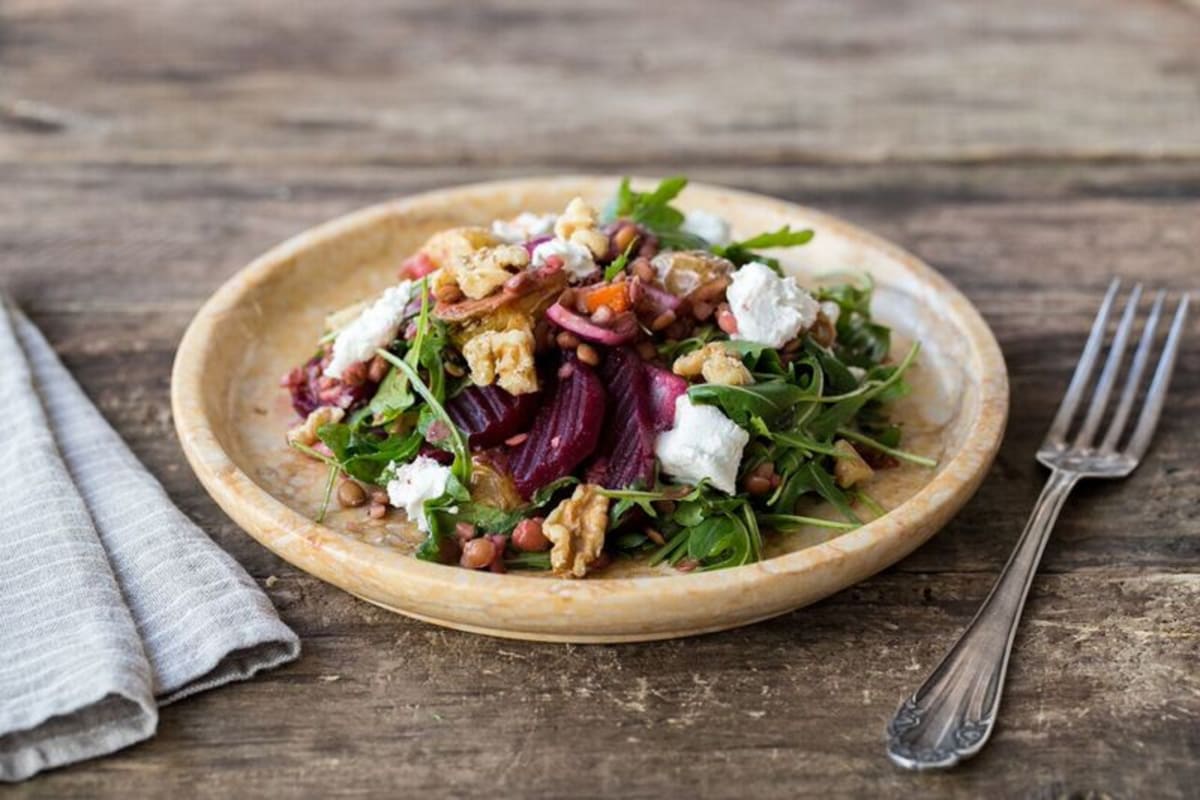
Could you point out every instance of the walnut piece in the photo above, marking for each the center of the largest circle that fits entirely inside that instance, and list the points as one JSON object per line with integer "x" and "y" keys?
{"x": 578, "y": 224}
{"x": 715, "y": 364}
{"x": 849, "y": 467}
{"x": 484, "y": 271}
{"x": 446, "y": 247}
{"x": 503, "y": 357}
{"x": 576, "y": 527}
{"x": 306, "y": 432}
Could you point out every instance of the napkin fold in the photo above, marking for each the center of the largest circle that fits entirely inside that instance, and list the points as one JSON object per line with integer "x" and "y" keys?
{"x": 112, "y": 602}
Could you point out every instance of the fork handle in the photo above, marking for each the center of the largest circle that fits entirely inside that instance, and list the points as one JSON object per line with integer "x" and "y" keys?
{"x": 952, "y": 715}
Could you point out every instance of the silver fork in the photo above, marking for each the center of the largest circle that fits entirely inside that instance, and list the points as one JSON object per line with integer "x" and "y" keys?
{"x": 951, "y": 716}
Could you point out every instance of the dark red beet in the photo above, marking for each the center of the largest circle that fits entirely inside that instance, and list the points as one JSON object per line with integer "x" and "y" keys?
{"x": 310, "y": 389}
{"x": 488, "y": 415}
{"x": 628, "y": 447}
{"x": 565, "y": 431}
{"x": 665, "y": 388}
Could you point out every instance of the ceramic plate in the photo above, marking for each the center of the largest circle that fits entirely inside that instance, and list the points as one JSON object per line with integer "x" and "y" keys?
{"x": 231, "y": 416}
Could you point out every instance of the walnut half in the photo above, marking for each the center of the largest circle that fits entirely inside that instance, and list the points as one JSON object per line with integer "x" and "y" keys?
{"x": 306, "y": 432}
{"x": 504, "y": 358}
{"x": 715, "y": 364}
{"x": 576, "y": 527}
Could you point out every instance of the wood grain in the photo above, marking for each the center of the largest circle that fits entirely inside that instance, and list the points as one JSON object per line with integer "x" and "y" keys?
{"x": 147, "y": 151}
{"x": 598, "y": 83}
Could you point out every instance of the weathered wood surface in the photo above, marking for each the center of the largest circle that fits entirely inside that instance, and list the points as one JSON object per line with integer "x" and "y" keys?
{"x": 1029, "y": 152}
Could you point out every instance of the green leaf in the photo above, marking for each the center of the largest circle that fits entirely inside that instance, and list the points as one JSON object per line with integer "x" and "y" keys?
{"x": 741, "y": 253}
{"x": 364, "y": 455}
{"x": 618, "y": 264}
{"x": 462, "y": 457}
{"x": 826, "y": 423}
{"x": 720, "y": 542}
{"x": 653, "y": 211}
{"x": 768, "y": 400}
{"x": 539, "y": 561}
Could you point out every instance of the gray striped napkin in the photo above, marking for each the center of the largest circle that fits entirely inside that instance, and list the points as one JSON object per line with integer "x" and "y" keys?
{"x": 112, "y": 602}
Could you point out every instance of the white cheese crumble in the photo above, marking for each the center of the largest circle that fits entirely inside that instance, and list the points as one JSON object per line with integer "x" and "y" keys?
{"x": 373, "y": 328}
{"x": 420, "y": 480}
{"x": 703, "y": 443}
{"x": 769, "y": 309}
{"x": 709, "y": 227}
{"x": 577, "y": 259}
{"x": 523, "y": 227}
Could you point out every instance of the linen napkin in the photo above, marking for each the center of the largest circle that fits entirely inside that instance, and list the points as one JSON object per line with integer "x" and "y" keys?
{"x": 112, "y": 602}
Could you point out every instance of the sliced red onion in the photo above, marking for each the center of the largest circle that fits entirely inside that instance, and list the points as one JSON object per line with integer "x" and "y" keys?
{"x": 652, "y": 299}
{"x": 622, "y": 330}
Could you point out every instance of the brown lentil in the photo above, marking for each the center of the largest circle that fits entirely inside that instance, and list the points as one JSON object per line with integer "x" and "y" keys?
{"x": 454, "y": 370}
{"x": 567, "y": 298}
{"x": 793, "y": 345}
{"x": 624, "y": 237}
{"x": 702, "y": 310}
{"x": 448, "y": 293}
{"x": 647, "y": 350}
{"x": 378, "y": 495}
{"x": 567, "y": 340}
{"x": 587, "y": 354}
{"x": 655, "y": 536}
{"x": 756, "y": 484}
{"x": 477, "y": 554}
{"x": 376, "y": 511}
{"x": 464, "y": 531}
{"x": 355, "y": 374}
{"x": 528, "y": 536}
{"x": 663, "y": 320}
{"x": 603, "y": 315}
{"x": 351, "y": 495}
{"x": 643, "y": 269}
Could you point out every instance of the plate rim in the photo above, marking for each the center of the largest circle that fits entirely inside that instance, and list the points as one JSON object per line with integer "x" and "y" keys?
{"x": 307, "y": 544}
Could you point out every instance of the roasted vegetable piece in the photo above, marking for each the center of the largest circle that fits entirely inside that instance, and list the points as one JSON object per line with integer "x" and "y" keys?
{"x": 565, "y": 431}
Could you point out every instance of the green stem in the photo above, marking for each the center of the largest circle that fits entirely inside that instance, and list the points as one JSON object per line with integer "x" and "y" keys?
{"x": 903, "y": 455}
{"x": 462, "y": 457}
{"x": 775, "y": 521}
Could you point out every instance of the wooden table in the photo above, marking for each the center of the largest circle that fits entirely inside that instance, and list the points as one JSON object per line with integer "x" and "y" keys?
{"x": 1029, "y": 150}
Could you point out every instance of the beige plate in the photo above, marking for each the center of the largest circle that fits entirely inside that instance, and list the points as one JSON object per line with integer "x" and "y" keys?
{"x": 231, "y": 416}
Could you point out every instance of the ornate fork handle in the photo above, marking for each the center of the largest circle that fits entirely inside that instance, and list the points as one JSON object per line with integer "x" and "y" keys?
{"x": 952, "y": 715}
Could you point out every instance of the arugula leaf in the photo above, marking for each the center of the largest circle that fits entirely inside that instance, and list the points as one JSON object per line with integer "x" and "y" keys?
{"x": 768, "y": 399}
{"x": 458, "y": 443}
{"x": 720, "y": 542}
{"x": 364, "y": 455}
{"x": 826, "y": 423}
{"x": 442, "y": 515}
{"x": 741, "y": 253}
{"x": 860, "y": 341}
{"x": 618, "y": 264}
{"x": 653, "y": 211}
{"x": 841, "y": 379}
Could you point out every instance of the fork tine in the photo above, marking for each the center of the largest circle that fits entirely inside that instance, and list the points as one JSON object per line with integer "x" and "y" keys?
{"x": 1134, "y": 380}
{"x": 1157, "y": 393}
{"x": 1108, "y": 375}
{"x": 1083, "y": 371}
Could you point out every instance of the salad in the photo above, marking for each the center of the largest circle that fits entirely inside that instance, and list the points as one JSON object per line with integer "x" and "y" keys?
{"x": 559, "y": 390}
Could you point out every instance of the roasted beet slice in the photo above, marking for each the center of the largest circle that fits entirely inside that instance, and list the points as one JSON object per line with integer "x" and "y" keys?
{"x": 488, "y": 415}
{"x": 565, "y": 431}
{"x": 665, "y": 388}
{"x": 628, "y": 448}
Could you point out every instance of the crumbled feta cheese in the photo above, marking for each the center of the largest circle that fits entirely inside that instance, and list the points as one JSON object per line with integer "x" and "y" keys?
{"x": 414, "y": 483}
{"x": 523, "y": 227}
{"x": 769, "y": 309}
{"x": 709, "y": 227}
{"x": 373, "y": 328}
{"x": 703, "y": 443}
{"x": 577, "y": 259}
